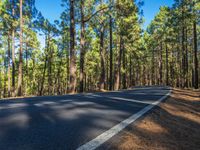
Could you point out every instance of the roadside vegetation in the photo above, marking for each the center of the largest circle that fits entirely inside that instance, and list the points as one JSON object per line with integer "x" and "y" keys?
{"x": 173, "y": 125}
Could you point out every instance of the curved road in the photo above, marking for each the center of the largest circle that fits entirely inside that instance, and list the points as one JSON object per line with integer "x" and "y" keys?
{"x": 70, "y": 121}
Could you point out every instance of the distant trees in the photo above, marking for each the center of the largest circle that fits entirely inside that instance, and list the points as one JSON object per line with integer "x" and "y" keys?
{"x": 172, "y": 30}
{"x": 96, "y": 45}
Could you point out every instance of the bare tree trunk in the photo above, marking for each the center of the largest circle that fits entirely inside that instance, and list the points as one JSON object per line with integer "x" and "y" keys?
{"x": 85, "y": 80}
{"x": 111, "y": 57}
{"x": 72, "y": 85}
{"x": 4, "y": 84}
{"x": 118, "y": 67}
{"x": 43, "y": 77}
{"x": 196, "y": 81}
{"x": 124, "y": 68}
{"x": 25, "y": 85}
{"x": 9, "y": 58}
{"x": 57, "y": 81}
{"x": 180, "y": 66}
{"x": 167, "y": 67}
{"x": 13, "y": 63}
{"x": 34, "y": 79}
{"x": 130, "y": 71}
{"x": 160, "y": 65}
{"x": 19, "y": 86}
{"x": 50, "y": 72}
{"x": 183, "y": 46}
{"x": 82, "y": 49}
{"x": 102, "y": 59}
{"x": 153, "y": 69}
{"x": 45, "y": 65}
{"x": 107, "y": 71}
{"x": 13, "y": 55}
{"x": 68, "y": 76}
{"x": 186, "y": 61}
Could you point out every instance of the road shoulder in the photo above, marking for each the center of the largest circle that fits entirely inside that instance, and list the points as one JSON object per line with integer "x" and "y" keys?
{"x": 174, "y": 125}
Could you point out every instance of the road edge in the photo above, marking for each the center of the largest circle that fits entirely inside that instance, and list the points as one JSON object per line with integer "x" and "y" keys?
{"x": 102, "y": 138}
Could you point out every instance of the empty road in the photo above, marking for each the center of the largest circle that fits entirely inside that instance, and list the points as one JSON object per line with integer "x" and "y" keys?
{"x": 70, "y": 121}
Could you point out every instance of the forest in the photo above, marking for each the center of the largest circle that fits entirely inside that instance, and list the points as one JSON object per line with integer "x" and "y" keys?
{"x": 97, "y": 45}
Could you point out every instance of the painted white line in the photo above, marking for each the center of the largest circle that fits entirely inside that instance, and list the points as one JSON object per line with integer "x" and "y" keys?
{"x": 129, "y": 100}
{"x": 118, "y": 98}
{"x": 99, "y": 140}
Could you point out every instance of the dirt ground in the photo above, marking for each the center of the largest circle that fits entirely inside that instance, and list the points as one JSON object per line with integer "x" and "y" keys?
{"x": 174, "y": 125}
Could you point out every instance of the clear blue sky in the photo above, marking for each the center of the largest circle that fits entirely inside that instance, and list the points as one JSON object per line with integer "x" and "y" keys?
{"x": 151, "y": 8}
{"x": 52, "y": 9}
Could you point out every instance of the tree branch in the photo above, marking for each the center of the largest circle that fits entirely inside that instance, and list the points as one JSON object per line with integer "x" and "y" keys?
{"x": 86, "y": 20}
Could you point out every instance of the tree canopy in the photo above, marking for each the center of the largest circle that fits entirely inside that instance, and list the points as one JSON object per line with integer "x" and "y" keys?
{"x": 97, "y": 45}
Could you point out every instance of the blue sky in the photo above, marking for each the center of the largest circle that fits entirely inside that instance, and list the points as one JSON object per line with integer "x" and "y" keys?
{"x": 52, "y": 9}
{"x": 151, "y": 8}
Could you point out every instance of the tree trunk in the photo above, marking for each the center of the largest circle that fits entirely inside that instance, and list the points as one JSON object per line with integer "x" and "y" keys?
{"x": 26, "y": 83}
{"x": 45, "y": 65}
{"x": 196, "y": 82}
{"x": 68, "y": 75}
{"x": 160, "y": 65}
{"x": 124, "y": 68}
{"x": 153, "y": 69}
{"x": 34, "y": 78}
{"x": 107, "y": 71}
{"x": 50, "y": 71}
{"x": 58, "y": 78}
{"x": 130, "y": 71}
{"x": 9, "y": 91}
{"x": 72, "y": 84}
{"x": 13, "y": 63}
{"x": 102, "y": 59}
{"x": 82, "y": 48}
{"x": 167, "y": 67}
{"x": 4, "y": 84}
{"x": 111, "y": 57}
{"x": 19, "y": 86}
{"x": 13, "y": 55}
{"x": 186, "y": 61}
{"x": 43, "y": 77}
{"x": 118, "y": 67}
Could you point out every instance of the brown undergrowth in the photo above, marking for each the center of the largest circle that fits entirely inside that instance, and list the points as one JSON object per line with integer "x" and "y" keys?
{"x": 175, "y": 125}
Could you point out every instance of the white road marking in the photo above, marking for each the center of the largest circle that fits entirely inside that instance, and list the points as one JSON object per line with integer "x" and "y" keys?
{"x": 129, "y": 100}
{"x": 90, "y": 95}
{"x": 99, "y": 140}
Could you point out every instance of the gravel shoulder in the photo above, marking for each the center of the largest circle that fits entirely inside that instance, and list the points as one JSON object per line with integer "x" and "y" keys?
{"x": 174, "y": 125}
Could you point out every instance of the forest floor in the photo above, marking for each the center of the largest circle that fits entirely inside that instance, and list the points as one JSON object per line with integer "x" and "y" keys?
{"x": 174, "y": 125}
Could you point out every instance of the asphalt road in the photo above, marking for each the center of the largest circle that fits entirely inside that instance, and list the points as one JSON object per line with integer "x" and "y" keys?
{"x": 67, "y": 122}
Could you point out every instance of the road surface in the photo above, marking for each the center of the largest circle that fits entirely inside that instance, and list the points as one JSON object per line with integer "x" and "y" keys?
{"x": 70, "y": 121}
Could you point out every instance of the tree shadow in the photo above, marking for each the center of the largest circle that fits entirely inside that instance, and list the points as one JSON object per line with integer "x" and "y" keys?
{"x": 166, "y": 127}
{"x": 54, "y": 123}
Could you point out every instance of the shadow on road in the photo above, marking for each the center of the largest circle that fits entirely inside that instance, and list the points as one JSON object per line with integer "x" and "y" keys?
{"x": 174, "y": 125}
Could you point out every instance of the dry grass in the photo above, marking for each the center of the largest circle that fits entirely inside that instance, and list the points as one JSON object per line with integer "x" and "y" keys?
{"x": 173, "y": 126}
